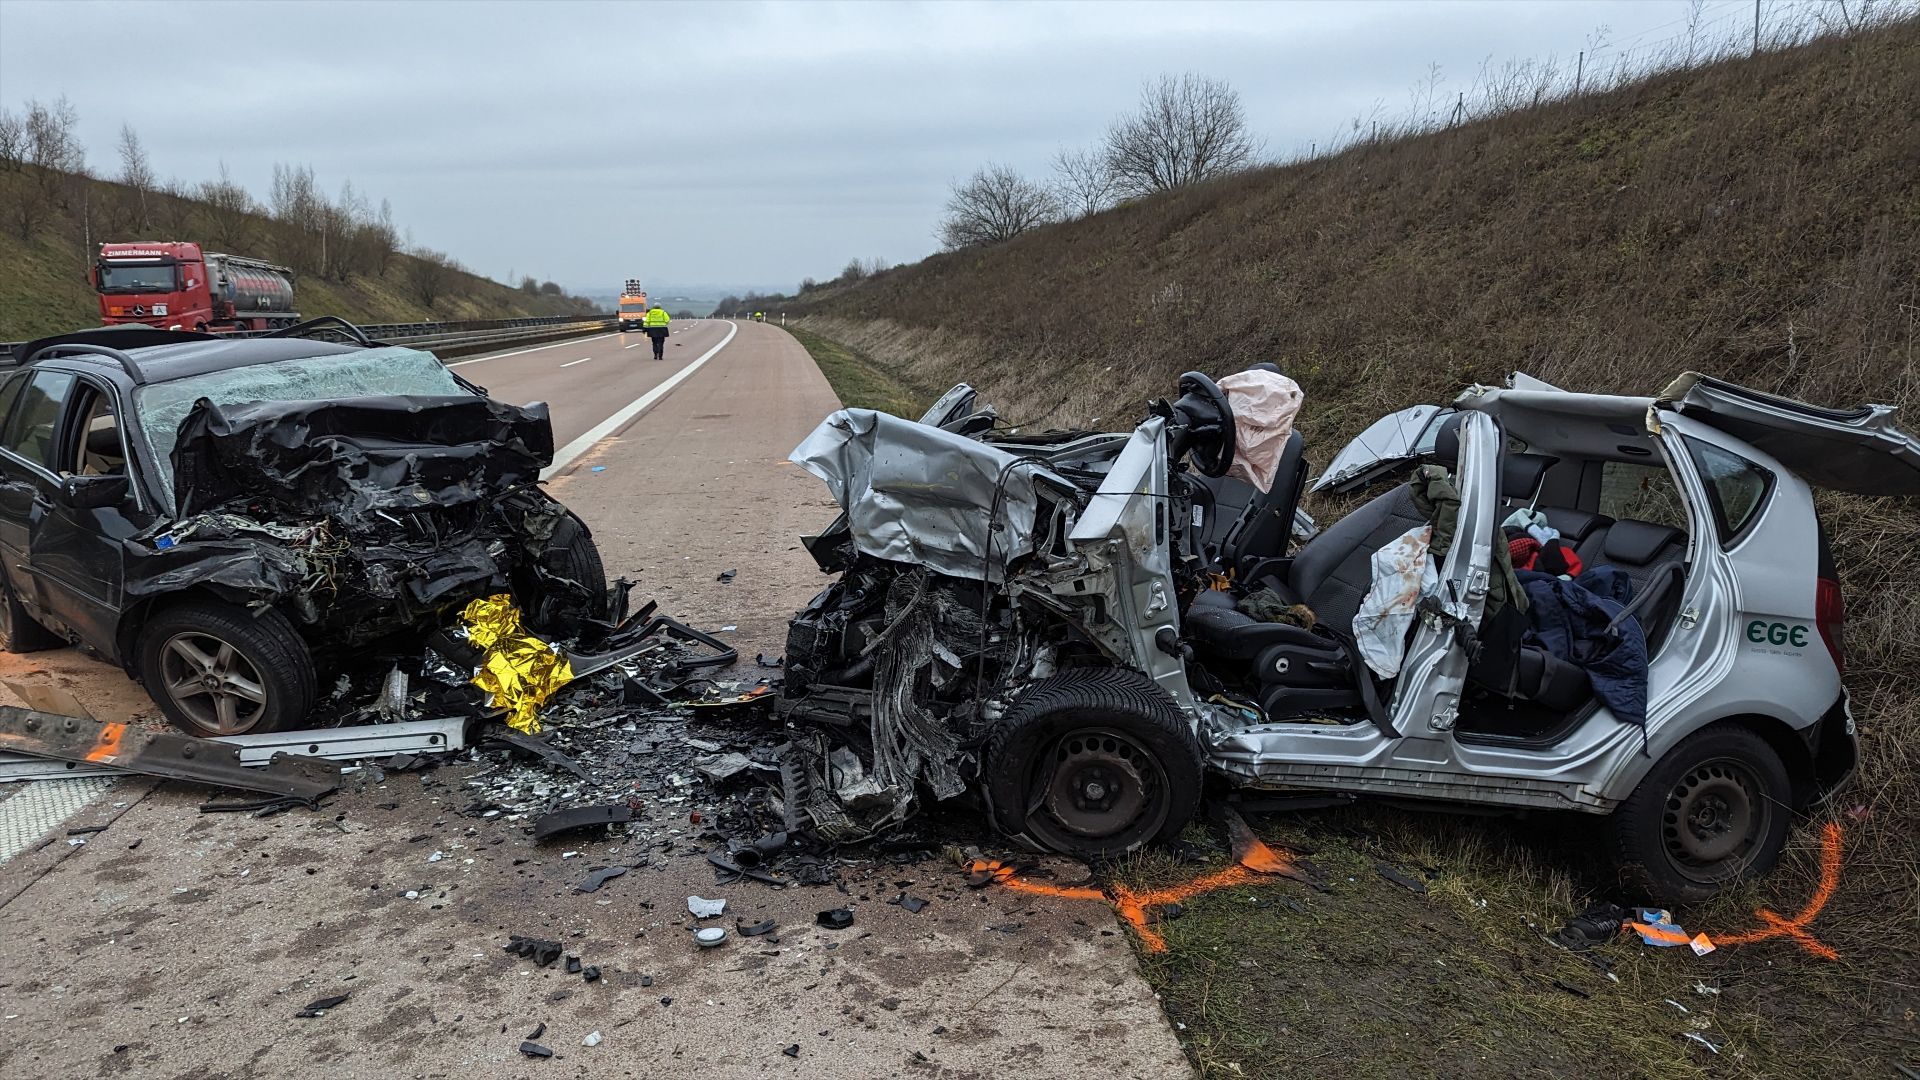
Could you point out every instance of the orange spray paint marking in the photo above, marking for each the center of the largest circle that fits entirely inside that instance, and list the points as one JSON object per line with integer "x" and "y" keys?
{"x": 107, "y": 746}
{"x": 1772, "y": 924}
{"x": 1257, "y": 860}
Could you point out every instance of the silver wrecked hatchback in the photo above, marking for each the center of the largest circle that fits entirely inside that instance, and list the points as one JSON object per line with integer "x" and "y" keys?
{"x": 1613, "y": 605}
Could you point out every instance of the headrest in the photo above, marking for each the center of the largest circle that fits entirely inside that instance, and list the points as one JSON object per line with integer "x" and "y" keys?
{"x": 1574, "y": 525}
{"x": 1520, "y": 474}
{"x": 1446, "y": 441}
{"x": 1639, "y": 542}
{"x": 104, "y": 441}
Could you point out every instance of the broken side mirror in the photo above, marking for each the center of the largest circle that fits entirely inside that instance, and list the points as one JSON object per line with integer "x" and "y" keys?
{"x": 93, "y": 492}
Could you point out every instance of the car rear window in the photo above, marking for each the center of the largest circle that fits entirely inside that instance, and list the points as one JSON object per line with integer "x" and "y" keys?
{"x": 1630, "y": 491}
{"x": 388, "y": 372}
{"x": 1736, "y": 487}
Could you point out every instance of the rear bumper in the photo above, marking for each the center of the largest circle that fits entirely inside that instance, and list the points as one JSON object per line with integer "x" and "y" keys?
{"x": 1834, "y": 748}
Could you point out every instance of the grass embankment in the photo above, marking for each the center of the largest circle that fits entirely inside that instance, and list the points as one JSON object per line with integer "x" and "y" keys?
{"x": 45, "y": 287}
{"x": 1757, "y": 219}
{"x": 861, "y": 383}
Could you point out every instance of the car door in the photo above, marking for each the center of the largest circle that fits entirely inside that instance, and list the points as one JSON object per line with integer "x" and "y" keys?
{"x": 1855, "y": 450}
{"x": 76, "y": 551}
{"x": 1389, "y": 443}
{"x": 16, "y": 493}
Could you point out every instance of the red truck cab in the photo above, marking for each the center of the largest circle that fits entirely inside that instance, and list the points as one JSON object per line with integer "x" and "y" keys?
{"x": 174, "y": 285}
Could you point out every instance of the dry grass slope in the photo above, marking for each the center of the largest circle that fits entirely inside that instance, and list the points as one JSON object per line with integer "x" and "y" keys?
{"x": 1754, "y": 218}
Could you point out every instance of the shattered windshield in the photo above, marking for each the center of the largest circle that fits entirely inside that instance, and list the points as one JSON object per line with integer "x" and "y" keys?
{"x": 369, "y": 373}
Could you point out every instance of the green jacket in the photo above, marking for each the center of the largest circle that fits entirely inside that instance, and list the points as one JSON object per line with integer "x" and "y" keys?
{"x": 656, "y": 317}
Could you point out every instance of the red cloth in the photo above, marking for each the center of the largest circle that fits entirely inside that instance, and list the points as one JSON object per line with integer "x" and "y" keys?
{"x": 1523, "y": 550}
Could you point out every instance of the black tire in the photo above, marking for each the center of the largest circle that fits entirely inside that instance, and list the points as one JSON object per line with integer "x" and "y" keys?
{"x": 1093, "y": 763}
{"x": 1713, "y": 811}
{"x": 571, "y": 554}
{"x": 19, "y": 633}
{"x": 263, "y": 652}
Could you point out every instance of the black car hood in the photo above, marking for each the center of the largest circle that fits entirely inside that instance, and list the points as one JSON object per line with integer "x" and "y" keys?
{"x": 348, "y": 457}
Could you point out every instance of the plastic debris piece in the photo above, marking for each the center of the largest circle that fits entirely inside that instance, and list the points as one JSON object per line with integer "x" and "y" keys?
{"x": 709, "y": 936}
{"x": 756, "y": 930}
{"x": 835, "y": 918}
{"x": 723, "y": 766}
{"x": 535, "y": 1050}
{"x": 592, "y": 1039}
{"x": 703, "y": 908}
{"x": 1401, "y": 878}
{"x": 598, "y": 878}
{"x": 792, "y": 1051}
{"x": 913, "y": 904}
{"x": 573, "y": 965}
{"x": 1597, "y": 925}
{"x": 542, "y": 952}
{"x": 1702, "y": 944}
{"x": 1704, "y": 1040}
{"x": 590, "y": 974}
{"x": 726, "y": 576}
{"x": 1703, "y": 988}
{"x": 1656, "y": 927}
{"x": 599, "y": 468}
{"x": 539, "y": 1031}
{"x": 519, "y": 670}
{"x": 320, "y": 1007}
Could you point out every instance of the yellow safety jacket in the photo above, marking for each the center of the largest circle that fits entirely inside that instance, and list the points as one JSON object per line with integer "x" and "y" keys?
{"x": 656, "y": 317}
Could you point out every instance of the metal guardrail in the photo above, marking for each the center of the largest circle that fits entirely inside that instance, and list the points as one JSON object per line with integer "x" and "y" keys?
{"x": 451, "y": 337}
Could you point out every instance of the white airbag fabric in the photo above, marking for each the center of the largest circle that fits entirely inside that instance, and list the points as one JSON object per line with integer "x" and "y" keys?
{"x": 1403, "y": 572}
{"x": 1264, "y": 404}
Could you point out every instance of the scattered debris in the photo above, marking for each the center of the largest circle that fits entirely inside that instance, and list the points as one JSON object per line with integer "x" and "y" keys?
{"x": 913, "y": 904}
{"x": 709, "y": 936}
{"x": 792, "y": 1051}
{"x": 835, "y": 919}
{"x": 535, "y": 1050}
{"x": 756, "y": 930}
{"x": 320, "y": 1007}
{"x": 590, "y": 974}
{"x": 1711, "y": 1042}
{"x": 537, "y": 1032}
{"x": 581, "y": 817}
{"x": 1399, "y": 877}
{"x": 598, "y": 878}
{"x": 539, "y": 748}
{"x": 702, "y": 908}
{"x": 1574, "y": 990}
{"x": 542, "y": 952}
{"x": 592, "y": 1039}
{"x": 134, "y": 749}
{"x": 726, "y": 576}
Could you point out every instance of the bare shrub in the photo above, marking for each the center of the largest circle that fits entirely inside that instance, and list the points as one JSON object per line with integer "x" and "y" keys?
{"x": 1189, "y": 128}
{"x": 229, "y": 210}
{"x": 136, "y": 174}
{"x": 993, "y": 205}
{"x": 1083, "y": 184}
{"x": 430, "y": 273}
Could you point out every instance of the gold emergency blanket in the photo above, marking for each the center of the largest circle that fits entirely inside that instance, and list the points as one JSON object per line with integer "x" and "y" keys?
{"x": 519, "y": 670}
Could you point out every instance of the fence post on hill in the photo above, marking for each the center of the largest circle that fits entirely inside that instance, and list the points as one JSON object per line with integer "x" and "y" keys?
{"x": 1579, "y": 72}
{"x": 1756, "y": 29}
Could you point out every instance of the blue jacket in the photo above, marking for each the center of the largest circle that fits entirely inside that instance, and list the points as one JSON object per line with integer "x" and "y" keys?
{"x": 1569, "y": 619}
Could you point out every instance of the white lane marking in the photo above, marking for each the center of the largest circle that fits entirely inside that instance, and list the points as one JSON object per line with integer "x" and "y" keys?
{"x": 613, "y": 423}
{"x": 635, "y": 345}
{"x": 39, "y": 808}
{"x": 536, "y": 348}
{"x": 582, "y": 360}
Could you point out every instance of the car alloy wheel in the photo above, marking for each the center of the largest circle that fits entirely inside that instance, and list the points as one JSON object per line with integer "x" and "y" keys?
{"x": 217, "y": 686}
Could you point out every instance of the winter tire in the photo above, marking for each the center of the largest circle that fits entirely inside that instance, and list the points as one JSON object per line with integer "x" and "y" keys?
{"x": 217, "y": 669}
{"x": 1713, "y": 811}
{"x": 19, "y": 633}
{"x": 1093, "y": 763}
{"x": 571, "y": 554}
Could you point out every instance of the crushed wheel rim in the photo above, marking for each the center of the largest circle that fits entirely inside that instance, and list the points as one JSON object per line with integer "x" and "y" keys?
{"x": 1097, "y": 785}
{"x": 218, "y": 689}
{"x": 1715, "y": 819}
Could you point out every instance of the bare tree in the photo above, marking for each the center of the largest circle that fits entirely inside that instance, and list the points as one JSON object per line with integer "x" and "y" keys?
{"x": 1189, "y": 129}
{"x": 995, "y": 204}
{"x": 135, "y": 173}
{"x": 1082, "y": 182}
{"x": 173, "y": 208}
{"x": 430, "y": 273}
{"x": 230, "y": 210}
{"x": 13, "y": 141}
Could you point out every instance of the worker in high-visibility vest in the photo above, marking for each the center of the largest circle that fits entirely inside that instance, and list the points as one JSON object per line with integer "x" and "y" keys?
{"x": 656, "y": 327}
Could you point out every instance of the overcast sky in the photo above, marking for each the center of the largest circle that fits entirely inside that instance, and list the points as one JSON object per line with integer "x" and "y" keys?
{"x": 749, "y": 144}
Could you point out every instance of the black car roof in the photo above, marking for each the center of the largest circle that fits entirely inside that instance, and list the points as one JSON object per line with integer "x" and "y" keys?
{"x": 163, "y": 356}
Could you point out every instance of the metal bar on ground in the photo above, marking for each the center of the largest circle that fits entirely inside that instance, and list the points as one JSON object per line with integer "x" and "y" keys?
{"x": 332, "y": 744}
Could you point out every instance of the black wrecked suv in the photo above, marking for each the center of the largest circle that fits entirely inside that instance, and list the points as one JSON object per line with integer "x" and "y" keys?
{"x": 236, "y": 521}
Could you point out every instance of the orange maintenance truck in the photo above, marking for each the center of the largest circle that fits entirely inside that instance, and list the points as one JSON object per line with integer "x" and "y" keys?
{"x": 633, "y": 306}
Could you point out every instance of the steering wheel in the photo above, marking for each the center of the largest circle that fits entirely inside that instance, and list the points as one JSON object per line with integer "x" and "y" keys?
{"x": 1209, "y": 420}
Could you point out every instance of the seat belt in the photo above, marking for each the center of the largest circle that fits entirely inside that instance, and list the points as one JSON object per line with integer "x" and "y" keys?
{"x": 1657, "y": 587}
